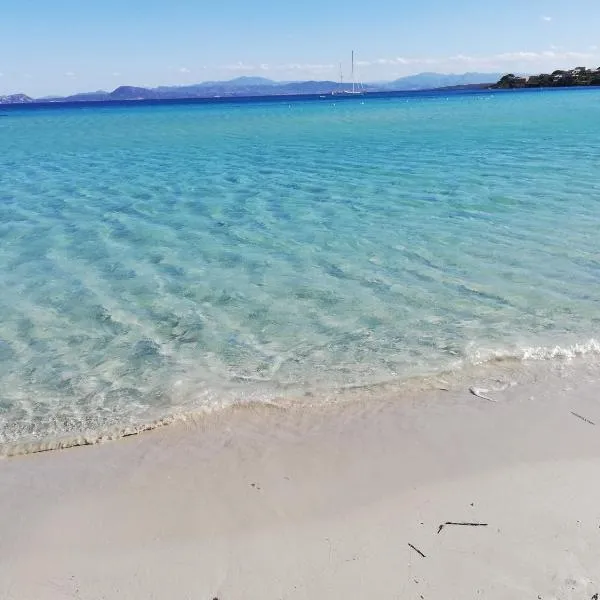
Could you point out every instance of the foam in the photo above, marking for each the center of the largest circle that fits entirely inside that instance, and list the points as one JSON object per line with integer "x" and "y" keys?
{"x": 505, "y": 369}
{"x": 590, "y": 347}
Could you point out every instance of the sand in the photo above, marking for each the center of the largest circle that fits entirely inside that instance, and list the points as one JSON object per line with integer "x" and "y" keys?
{"x": 323, "y": 502}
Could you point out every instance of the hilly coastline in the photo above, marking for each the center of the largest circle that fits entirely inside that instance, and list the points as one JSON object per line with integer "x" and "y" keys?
{"x": 578, "y": 77}
{"x": 260, "y": 86}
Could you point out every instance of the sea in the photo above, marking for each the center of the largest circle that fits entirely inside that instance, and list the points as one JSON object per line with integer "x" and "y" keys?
{"x": 159, "y": 260}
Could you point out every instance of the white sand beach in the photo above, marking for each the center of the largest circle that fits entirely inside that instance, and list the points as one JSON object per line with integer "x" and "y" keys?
{"x": 336, "y": 502}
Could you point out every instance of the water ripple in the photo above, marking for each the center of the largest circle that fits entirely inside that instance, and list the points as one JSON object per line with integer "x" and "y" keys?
{"x": 164, "y": 259}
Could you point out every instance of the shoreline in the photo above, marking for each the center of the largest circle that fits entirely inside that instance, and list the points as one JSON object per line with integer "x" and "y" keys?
{"x": 293, "y": 503}
{"x": 510, "y": 367}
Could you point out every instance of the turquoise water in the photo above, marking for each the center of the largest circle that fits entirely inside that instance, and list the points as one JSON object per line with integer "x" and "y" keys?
{"x": 156, "y": 260}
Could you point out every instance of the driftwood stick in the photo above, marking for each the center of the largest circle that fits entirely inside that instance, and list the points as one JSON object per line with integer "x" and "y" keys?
{"x": 417, "y": 550}
{"x": 582, "y": 418}
{"x": 461, "y": 524}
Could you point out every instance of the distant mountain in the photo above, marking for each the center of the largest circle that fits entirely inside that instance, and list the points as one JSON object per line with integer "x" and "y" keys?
{"x": 16, "y": 99}
{"x": 128, "y": 92}
{"x": 242, "y": 86}
{"x": 260, "y": 86}
{"x": 83, "y": 97}
{"x": 244, "y": 82}
{"x": 429, "y": 81}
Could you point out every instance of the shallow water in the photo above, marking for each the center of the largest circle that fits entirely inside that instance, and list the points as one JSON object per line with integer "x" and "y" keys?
{"x": 156, "y": 260}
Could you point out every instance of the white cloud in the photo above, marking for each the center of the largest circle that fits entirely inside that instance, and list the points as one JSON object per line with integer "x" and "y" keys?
{"x": 69, "y": 74}
{"x": 400, "y": 60}
{"x": 308, "y": 67}
{"x": 240, "y": 66}
{"x": 184, "y": 70}
{"x": 519, "y": 61}
{"x": 462, "y": 58}
{"x": 547, "y": 19}
{"x": 495, "y": 60}
{"x": 522, "y": 56}
{"x": 552, "y": 54}
{"x": 314, "y": 68}
{"x": 116, "y": 74}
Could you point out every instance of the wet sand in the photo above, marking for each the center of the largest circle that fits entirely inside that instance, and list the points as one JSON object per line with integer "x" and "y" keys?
{"x": 338, "y": 501}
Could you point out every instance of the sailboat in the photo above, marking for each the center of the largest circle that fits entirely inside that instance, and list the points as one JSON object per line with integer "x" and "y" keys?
{"x": 356, "y": 89}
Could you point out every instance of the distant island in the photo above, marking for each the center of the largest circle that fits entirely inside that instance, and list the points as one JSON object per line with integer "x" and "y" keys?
{"x": 580, "y": 76}
{"x": 260, "y": 86}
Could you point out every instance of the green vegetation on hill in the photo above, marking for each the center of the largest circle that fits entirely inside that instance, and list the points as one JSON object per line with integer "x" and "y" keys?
{"x": 575, "y": 77}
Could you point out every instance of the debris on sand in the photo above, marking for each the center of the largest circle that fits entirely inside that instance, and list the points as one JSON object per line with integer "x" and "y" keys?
{"x": 481, "y": 393}
{"x": 417, "y": 550}
{"x": 461, "y": 524}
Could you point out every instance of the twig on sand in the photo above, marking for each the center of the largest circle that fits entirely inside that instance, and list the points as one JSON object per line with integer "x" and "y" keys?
{"x": 481, "y": 394}
{"x": 417, "y": 550}
{"x": 582, "y": 418}
{"x": 462, "y": 524}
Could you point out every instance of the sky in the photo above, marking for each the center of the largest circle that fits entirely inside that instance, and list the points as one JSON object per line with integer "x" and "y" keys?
{"x": 67, "y": 46}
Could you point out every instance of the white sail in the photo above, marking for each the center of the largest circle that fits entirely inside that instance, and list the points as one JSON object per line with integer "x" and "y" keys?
{"x": 355, "y": 88}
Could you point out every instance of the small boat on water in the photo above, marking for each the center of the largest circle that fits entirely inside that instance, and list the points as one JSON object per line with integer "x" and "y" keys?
{"x": 356, "y": 88}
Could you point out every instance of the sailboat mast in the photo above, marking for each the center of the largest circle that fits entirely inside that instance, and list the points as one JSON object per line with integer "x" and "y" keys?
{"x": 353, "y": 71}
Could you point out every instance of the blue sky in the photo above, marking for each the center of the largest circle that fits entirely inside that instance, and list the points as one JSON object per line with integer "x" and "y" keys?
{"x": 64, "y": 46}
